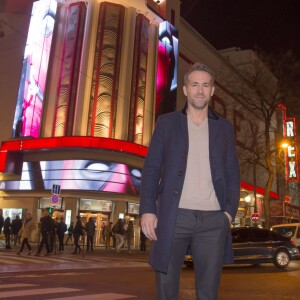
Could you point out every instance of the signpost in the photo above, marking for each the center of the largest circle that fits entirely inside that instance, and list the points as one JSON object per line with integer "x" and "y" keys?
{"x": 54, "y": 200}
{"x": 255, "y": 217}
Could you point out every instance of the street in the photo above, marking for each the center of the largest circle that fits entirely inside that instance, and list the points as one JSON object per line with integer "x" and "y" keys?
{"x": 106, "y": 275}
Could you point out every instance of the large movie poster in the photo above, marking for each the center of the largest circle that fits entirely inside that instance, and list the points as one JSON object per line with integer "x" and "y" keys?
{"x": 92, "y": 175}
{"x": 167, "y": 64}
{"x": 34, "y": 71}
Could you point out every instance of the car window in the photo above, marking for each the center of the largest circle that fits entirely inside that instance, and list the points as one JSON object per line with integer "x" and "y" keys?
{"x": 240, "y": 235}
{"x": 261, "y": 235}
{"x": 287, "y": 231}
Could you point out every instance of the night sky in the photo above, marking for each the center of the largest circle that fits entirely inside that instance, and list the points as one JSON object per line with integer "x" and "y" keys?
{"x": 273, "y": 25}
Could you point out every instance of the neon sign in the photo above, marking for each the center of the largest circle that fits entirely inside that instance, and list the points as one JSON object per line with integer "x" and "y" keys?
{"x": 292, "y": 157}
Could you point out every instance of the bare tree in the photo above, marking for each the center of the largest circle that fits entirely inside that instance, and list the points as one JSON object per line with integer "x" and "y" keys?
{"x": 258, "y": 89}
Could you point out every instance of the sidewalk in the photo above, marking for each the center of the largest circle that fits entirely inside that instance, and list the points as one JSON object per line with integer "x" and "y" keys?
{"x": 98, "y": 251}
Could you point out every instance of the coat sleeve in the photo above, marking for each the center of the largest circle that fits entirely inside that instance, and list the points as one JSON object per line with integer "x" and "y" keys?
{"x": 152, "y": 170}
{"x": 232, "y": 175}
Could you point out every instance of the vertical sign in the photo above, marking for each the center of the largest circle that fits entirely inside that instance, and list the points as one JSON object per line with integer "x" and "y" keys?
{"x": 292, "y": 156}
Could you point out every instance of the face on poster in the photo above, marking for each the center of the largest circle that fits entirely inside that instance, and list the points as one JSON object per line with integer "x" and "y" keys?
{"x": 90, "y": 175}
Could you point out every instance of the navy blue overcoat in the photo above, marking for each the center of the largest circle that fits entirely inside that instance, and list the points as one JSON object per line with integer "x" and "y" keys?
{"x": 164, "y": 172}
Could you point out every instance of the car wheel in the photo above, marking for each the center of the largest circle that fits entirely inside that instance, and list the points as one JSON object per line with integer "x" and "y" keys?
{"x": 281, "y": 259}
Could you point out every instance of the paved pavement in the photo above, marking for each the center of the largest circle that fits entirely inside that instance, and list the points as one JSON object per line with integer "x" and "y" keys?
{"x": 10, "y": 261}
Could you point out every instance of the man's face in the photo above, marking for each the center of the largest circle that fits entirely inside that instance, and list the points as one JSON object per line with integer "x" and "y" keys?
{"x": 199, "y": 90}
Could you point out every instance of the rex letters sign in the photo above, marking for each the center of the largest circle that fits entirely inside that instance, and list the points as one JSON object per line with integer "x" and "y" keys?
{"x": 292, "y": 156}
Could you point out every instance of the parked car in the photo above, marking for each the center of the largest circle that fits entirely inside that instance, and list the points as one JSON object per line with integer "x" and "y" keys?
{"x": 253, "y": 245}
{"x": 291, "y": 230}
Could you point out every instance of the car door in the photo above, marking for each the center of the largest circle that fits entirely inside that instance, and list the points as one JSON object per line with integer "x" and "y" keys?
{"x": 262, "y": 244}
{"x": 241, "y": 241}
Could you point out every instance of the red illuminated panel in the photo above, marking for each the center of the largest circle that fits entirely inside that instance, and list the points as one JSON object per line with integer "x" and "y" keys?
{"x": 259, "y": 190}
{"x": 74, "y": 142}
{"x": 167, "y": 64}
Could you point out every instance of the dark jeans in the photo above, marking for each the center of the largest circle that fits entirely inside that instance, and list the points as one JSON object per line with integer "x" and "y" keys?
{"x": 44, "y": 241}
{"x": 90, "y": 242}
{"x": 61, "y": 241}
{"x": 206, "y": 233}
{"x": 76, "y": 242}
{"x": 25, "y": 242}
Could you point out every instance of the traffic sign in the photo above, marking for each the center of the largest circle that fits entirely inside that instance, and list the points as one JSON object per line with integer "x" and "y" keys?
{"x": 255, "y": 217}
{"x": 56, "y": 189}
{"x": 54, "y": 198}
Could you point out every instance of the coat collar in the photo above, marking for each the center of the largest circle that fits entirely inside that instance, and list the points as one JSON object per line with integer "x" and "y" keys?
{"x": 213, "y": 125}
{"x": 211, "y": 113}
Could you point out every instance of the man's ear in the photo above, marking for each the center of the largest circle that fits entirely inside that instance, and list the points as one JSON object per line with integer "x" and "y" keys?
{"x": 212, "y": 91}
{"x": 184, "y": 90}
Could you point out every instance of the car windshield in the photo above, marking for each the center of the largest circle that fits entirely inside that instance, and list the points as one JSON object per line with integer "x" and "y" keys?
{"x": 287, "y": 231}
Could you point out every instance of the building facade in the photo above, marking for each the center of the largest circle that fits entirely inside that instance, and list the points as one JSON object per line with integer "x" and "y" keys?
{"x": 82, "y": 83}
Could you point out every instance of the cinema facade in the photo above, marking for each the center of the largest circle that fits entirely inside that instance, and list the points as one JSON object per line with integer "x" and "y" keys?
{"x": 82, "y": 89}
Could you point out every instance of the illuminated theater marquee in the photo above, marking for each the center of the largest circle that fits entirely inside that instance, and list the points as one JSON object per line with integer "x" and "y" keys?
{"x": 292, "y": 157}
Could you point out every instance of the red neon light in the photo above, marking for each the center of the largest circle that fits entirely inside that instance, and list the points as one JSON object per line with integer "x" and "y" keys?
{"x": 259, "y": 190}
{"x": 74, "y": 142}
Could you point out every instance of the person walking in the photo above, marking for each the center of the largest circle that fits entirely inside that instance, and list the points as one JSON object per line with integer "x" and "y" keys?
{"x": 108, "y": 234}
{"x": 119, "y": 232}
{"x": 7, "y": 232}
{"x": 25, "y": 232}
{"x": 78, "y": 231}
{"x": 143, "y": 241}
{"x": 190, "y": 190}
{"x": 70, "y": 233}
{"x": 1, "y": 220}
{"x": 61, "y": 229}
{"x": 16, "y": 226}
{"x": 129, "y": 235}
{"x": 47, "y": 225}
{"x": 90, "y": 229}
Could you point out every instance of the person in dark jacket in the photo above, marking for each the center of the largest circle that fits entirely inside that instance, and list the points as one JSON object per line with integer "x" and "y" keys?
{"x": 90, "y": 229}
{"x": 190, "y": 190}
{"x": 7, "y": 232}
{"x": 61, "y": 229}
{"x": 47, "y": 225}
{"x": 119, "y": 232}
{"x": 1, "y": 220}
{"x": 16, "y": 226}
{"x": 78, "y": 231}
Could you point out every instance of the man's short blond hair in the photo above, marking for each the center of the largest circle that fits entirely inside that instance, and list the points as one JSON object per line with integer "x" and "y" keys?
{"x": 199, "y": 67}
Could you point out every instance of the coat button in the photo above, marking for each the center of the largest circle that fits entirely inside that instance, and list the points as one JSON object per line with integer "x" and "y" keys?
{"x": 180, "y": 173}
{"x": 175, "y": 192}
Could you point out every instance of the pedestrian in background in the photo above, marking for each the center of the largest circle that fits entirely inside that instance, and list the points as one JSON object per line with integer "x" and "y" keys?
{"x": 119, "y": 232}
{"x": 190, "y": 190}
{"x": 70, "y": 233}
{"x": 61, "y": 229}
{"x": 90, "y": 229}
{"x": 77, "y": 233}
{"x": 1, "y": 220}
{"x": 25, "y": 232}
{"x": 16, "y": 226}
{"x": 129, "y": 235}
{"x": 7, "y": 232}
{"x": 108, "y": 234}
{"x": 143, "y": 241}
{"x": 53, "y": 234}
{"x": 47, "y": 225}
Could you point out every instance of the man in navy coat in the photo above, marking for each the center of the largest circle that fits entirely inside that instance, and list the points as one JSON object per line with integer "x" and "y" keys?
{"x": 190, "y": 191}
